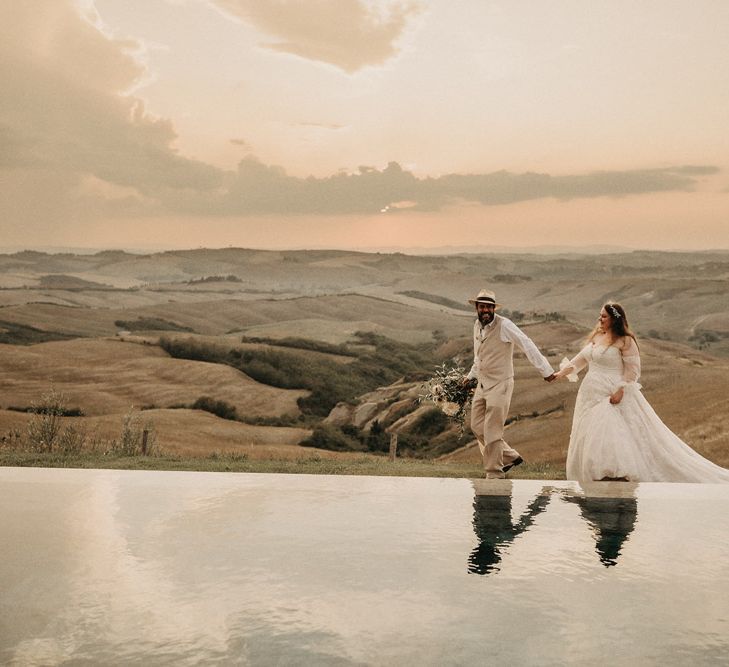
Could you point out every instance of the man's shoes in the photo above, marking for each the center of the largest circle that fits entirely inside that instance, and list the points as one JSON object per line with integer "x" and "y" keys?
{"x": 516, "y": 462}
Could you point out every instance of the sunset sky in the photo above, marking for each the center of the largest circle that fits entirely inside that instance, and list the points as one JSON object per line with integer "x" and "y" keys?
{"x": 366, "y": 124}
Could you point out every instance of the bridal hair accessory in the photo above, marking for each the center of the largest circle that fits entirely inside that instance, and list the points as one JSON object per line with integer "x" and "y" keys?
{"x": 613, "y": 311}
{"x": 484, "y": 296}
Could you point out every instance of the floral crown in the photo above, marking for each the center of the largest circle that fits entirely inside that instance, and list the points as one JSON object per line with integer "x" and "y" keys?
{"x": 613, "y": 311}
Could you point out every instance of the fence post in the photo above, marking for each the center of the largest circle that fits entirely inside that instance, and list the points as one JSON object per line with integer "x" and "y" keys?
{"x": 393, "y": 446}
{"x": 145, "y": 435}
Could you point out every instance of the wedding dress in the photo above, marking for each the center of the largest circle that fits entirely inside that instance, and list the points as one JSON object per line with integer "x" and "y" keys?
{"x": 627, "y": 439}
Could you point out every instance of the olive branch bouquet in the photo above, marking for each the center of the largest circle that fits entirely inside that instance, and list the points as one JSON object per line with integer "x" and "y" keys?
{"x": 449, "y": 391}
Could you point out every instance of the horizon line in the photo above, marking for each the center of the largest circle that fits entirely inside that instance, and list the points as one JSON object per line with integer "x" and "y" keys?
{"x": 542, "y": 249}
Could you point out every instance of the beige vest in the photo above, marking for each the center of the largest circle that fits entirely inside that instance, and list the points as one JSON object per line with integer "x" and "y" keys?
{"x": 494, "y": 357}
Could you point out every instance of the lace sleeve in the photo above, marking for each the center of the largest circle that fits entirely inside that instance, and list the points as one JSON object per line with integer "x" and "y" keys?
{"x": 631, "y": 362}
{"x": 575, "y": 365}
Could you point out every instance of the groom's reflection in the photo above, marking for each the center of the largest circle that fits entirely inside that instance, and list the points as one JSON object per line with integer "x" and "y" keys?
{"x": 611, "y": 517}
{"x": 493, "y": 524}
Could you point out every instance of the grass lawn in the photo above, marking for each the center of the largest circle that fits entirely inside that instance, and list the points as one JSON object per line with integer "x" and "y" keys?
{"x": 240, "y": 463}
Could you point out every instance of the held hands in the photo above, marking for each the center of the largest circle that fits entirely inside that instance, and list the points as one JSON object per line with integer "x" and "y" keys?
{"x": 566, "y": 370}
{"x": 552, "y": 377}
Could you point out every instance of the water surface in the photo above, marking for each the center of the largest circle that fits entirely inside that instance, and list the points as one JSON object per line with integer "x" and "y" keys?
{"x": 185, "y": 568}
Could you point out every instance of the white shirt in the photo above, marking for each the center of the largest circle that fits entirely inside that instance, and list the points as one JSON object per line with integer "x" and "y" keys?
{"x": 510, "y": 333}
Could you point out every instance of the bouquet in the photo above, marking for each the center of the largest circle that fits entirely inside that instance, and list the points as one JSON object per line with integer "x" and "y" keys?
{"x": 449, "y": 391}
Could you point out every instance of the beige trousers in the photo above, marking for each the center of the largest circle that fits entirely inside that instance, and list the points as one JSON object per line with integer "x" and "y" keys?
{"x": 489, "y": 410}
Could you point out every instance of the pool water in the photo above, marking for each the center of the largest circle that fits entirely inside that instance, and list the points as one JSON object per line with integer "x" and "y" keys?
{"x": 168, "y": 568}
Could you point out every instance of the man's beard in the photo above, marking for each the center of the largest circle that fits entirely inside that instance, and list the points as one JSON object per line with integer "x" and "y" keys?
{"x": 485, "y": 318}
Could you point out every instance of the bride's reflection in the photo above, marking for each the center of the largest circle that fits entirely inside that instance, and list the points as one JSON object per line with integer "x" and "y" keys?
{"x": 493, "y": 524}
{"x": 611, "y": 517}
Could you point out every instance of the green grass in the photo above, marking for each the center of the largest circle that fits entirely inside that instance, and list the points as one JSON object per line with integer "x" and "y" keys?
{"x": 342, "y": 349}
{"x": 12, "y": 333}
{"x": 328, "y": 381}
{"x": 151, "y": 324}
{"x": 439, "y": 300}
{"x": 232, "y": 462}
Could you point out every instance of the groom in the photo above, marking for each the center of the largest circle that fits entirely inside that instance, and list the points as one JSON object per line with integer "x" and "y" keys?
{"x": 494, "y": 338}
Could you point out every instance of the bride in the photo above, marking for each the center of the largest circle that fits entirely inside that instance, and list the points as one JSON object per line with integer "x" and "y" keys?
{"x": 616, "y": 434}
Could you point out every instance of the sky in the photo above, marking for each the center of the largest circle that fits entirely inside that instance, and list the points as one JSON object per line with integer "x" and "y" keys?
{"x": 364, "y": 124}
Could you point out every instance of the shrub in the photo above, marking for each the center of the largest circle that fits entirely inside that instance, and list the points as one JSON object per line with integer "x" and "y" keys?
{"x": 13, "y": 439}
{"x": 409, "y": 445}
{"x": 440, "y": 300}
{"x": 330, "y": 437}
{"x": 133, "y": 435}
{"x": 510, "y": 278}
{"x": 430, "y": 423}
{"x": 230, "y": 278}
{"x": 49, "y": 433}
{"x": 20, "y": 334}
{"x": 277, "y": 420}
{"x": 703, "y": 338}
{"x": 72, "y": 439}
{"x": 191, "y": 349}
{"x": 151, "y": 324}
{"x": 44, "y": 428}
{"x": 222, "y": 409}
{"x": 445, "y": 443}
{"x": 303, "y": 344}
{"x": 46, "y": 431}
{"x": 37, "y": 409}
{"x": 377, "y": 440}
{"x": 328, "y": 382}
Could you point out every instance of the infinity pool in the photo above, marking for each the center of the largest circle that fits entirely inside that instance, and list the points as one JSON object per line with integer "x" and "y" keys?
{"x": 165, "y": 568}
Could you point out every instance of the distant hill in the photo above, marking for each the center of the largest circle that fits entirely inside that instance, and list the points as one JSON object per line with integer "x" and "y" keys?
{"x": 678, "y": 296}
{"x": 507, "y": 250}
{"x": 66, "y": 282}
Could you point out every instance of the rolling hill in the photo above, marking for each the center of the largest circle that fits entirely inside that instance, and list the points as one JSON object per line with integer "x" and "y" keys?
{"x": 79, "y": 304}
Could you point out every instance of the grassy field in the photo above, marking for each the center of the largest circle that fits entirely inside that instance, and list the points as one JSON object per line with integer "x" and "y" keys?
{"x": 106, "y": 376}
{"x": 103, "y": 378}
{"x": 312, "y": 465}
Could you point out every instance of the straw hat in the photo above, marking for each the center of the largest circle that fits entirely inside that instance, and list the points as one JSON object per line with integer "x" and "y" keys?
{"x": 484, "y": 296}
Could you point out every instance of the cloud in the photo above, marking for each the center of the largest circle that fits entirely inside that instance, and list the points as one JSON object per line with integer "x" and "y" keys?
{"x": 75, "y": 145}
{"x": 507, "y": 188}
{"x": 349, "y": 34}
{"x": 65, "y": 115}
{"x": 242, "y": 143}
{"x": 324, "y": 126}
{"x": 257, "y": 188}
